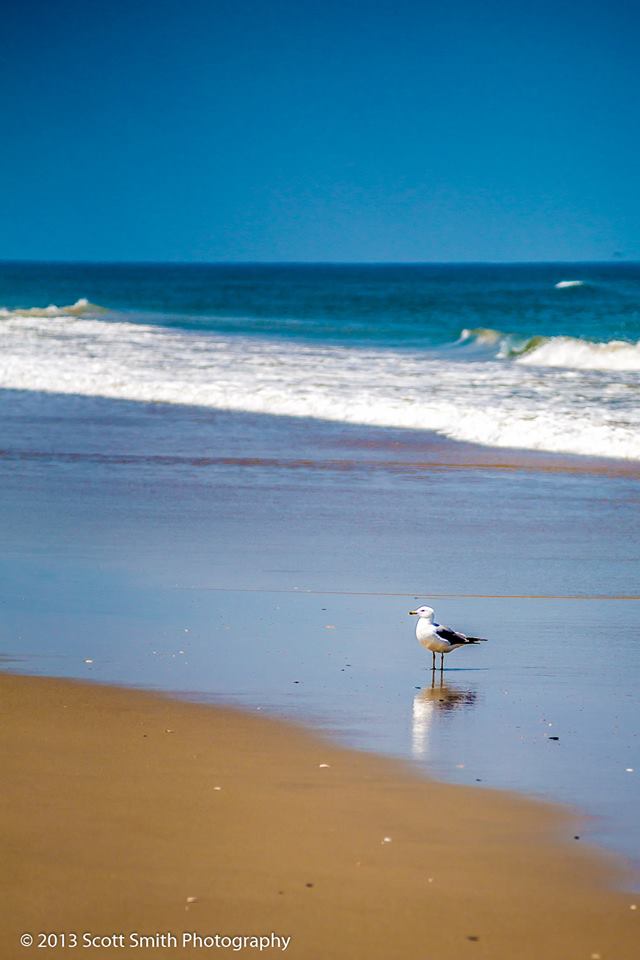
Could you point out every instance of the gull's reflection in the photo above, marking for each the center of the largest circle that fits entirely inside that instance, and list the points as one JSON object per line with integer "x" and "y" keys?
{"x": 438, "y": 698}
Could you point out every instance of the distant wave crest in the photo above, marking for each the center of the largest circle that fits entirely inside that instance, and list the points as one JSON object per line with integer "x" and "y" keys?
{"x": 570, "y": 352}
{"x": 80, "y": 308}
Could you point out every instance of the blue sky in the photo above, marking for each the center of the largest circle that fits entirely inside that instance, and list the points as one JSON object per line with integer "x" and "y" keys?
{"x": 301, "y": 130}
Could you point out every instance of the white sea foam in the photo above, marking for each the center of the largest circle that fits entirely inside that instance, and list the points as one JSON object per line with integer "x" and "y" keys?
{"x": 562, "y": 284}
{"x": 490, "y": 401}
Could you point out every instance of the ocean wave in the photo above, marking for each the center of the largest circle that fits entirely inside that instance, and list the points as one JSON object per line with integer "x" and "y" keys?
{"x": 484, "y": 336}
{"x": 569, "y": 352}
{"x": 584, "y": 354}
{"x": 80, "y": 308}
{"x": 488, "y": 401}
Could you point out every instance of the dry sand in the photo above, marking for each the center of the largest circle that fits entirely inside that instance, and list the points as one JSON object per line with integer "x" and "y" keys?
{"x": 125, "y": 811}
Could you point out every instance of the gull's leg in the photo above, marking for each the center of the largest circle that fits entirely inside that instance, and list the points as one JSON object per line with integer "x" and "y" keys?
{"x": 441, "y": 662}
{"x": 433, "y": 662}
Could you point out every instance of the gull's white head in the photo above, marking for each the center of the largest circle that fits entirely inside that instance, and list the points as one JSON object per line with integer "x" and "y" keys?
{"x": 425, "y": 613}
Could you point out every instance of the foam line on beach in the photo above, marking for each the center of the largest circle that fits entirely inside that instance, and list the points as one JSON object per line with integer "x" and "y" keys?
{"x": 418, "y": 593}
{"x": 339, "y": 464}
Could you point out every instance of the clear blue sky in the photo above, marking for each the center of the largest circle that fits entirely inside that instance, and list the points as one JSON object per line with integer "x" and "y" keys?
{"x": 304, "y": 130}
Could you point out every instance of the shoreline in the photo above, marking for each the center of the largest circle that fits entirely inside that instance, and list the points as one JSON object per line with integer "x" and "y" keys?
{"x": 124, "y": 524}
{"x": 131, "y": 811}
{"x": 321, "y": 445}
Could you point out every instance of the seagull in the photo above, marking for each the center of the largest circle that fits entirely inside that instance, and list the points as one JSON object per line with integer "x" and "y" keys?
{"x": 437, "y": 638}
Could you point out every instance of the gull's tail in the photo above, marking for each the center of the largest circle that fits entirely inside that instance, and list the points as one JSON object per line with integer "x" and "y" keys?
{"x": 477, "y": 640}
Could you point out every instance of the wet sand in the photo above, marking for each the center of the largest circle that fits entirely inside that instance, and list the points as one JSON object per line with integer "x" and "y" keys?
{"x": 270, "y": 562}
{"x": 125, "y": 811}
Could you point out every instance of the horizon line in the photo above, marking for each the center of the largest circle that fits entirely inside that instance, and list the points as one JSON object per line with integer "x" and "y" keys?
{"x": 319, "y": 263}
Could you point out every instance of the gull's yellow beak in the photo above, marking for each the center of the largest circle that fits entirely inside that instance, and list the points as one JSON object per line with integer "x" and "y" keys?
{"x": 413, "y": 613}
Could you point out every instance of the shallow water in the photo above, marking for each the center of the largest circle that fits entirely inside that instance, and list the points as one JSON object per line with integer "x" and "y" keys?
{"x": 271, "y": 563}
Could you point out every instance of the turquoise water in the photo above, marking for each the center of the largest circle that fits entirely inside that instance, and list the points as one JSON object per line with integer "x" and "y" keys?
{"x": 536, "y": 357}
{"x": 389, "y": 305}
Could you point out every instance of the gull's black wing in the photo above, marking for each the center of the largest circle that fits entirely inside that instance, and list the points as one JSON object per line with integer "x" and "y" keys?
{"x": 454, "y": 637}
{"x": 445, "y": 633}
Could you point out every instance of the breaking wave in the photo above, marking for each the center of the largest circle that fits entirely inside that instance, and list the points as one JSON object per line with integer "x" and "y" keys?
{"x": 551, "y": 394}
{"x": 569, "y": 352}
{"x": 80, "y": 308}
{"x": 584, "y": 354}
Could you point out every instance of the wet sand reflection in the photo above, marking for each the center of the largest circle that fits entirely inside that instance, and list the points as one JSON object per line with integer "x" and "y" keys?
{"x": 437, "y": 699}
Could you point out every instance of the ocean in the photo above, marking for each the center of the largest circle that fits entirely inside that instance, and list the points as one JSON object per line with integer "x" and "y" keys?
{"x": 233, "y": 482}
{"x": 540, "y": 357}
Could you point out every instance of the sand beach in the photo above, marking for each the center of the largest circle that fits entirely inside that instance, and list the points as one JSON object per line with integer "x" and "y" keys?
{"x": 126, "y": 813}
